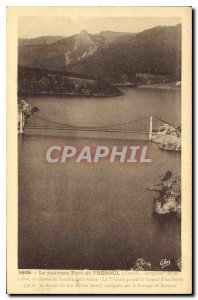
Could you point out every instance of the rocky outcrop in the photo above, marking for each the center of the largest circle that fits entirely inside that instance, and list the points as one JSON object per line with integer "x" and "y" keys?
{"x": 83, "y": 47}
{"x": 27, "y": 109}
{"x": 168, "y": 138}
{"x": 169, "y": 200}
{"x": 142, "y": 265}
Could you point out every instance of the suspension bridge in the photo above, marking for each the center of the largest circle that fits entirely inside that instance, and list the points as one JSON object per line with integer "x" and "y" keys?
{"x": 147, "y": 125}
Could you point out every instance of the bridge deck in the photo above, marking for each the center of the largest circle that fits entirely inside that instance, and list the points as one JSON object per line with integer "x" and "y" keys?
{"x": 146, "y": 125}
{"x": 86, "y": 129}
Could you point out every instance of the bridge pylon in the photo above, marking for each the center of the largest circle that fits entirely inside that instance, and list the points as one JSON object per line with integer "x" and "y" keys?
{"x": 150, "y": 127}
{"x": 21, "y": 128}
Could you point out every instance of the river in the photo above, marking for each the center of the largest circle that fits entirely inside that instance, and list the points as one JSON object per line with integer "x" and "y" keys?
{"x": 95, "y": 216}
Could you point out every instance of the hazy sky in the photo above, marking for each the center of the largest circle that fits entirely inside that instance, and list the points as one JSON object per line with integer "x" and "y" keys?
{"x": 30, "y": 27}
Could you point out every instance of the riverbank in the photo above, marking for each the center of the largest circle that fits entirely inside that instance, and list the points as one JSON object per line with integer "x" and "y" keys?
{"x": 161, "y": 86}
{"x": 36, "y": 82}
{"x": 174, "y": 86}
{"x": 65, "y": 94}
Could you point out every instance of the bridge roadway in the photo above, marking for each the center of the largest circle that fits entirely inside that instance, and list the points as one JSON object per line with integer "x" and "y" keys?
{"x": 86, "y": 129}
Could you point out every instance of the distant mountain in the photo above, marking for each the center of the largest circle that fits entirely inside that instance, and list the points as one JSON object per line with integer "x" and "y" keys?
{"x": 40, "y": 40}
{"x": 113, "y": 56}
{"x": 66, "y": 51}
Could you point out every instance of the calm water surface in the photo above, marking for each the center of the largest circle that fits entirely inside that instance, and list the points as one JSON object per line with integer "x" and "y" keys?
{"x": 94, "y": 216}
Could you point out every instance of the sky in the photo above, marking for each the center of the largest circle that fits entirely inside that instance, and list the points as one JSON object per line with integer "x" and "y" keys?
{"x": 30, "y": 27}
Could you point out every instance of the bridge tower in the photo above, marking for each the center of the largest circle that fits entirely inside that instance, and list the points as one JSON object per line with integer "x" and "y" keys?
{"x": 21, "y": 128}
{"x": 150, "y": 127}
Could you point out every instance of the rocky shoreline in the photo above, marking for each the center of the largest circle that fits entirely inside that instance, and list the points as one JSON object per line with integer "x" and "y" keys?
{"x": 168, "y": 138}
{"x": 169, "y": 199}
{"x": 27, "y": 109}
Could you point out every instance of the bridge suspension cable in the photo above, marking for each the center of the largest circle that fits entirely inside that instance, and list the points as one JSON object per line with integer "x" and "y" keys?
{"x": 91, "y": 127}
{"x": 135, "y": 126}
{"x": 163, "y": 121}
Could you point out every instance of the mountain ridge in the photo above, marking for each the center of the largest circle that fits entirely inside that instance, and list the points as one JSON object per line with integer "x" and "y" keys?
{"x": 111, "y": 55}
{"x": 39, "y": 40}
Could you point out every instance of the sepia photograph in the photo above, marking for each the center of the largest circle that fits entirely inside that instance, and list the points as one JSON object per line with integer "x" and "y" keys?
{"x": 99, "y": 150}
{"x": 99, "y": 143}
